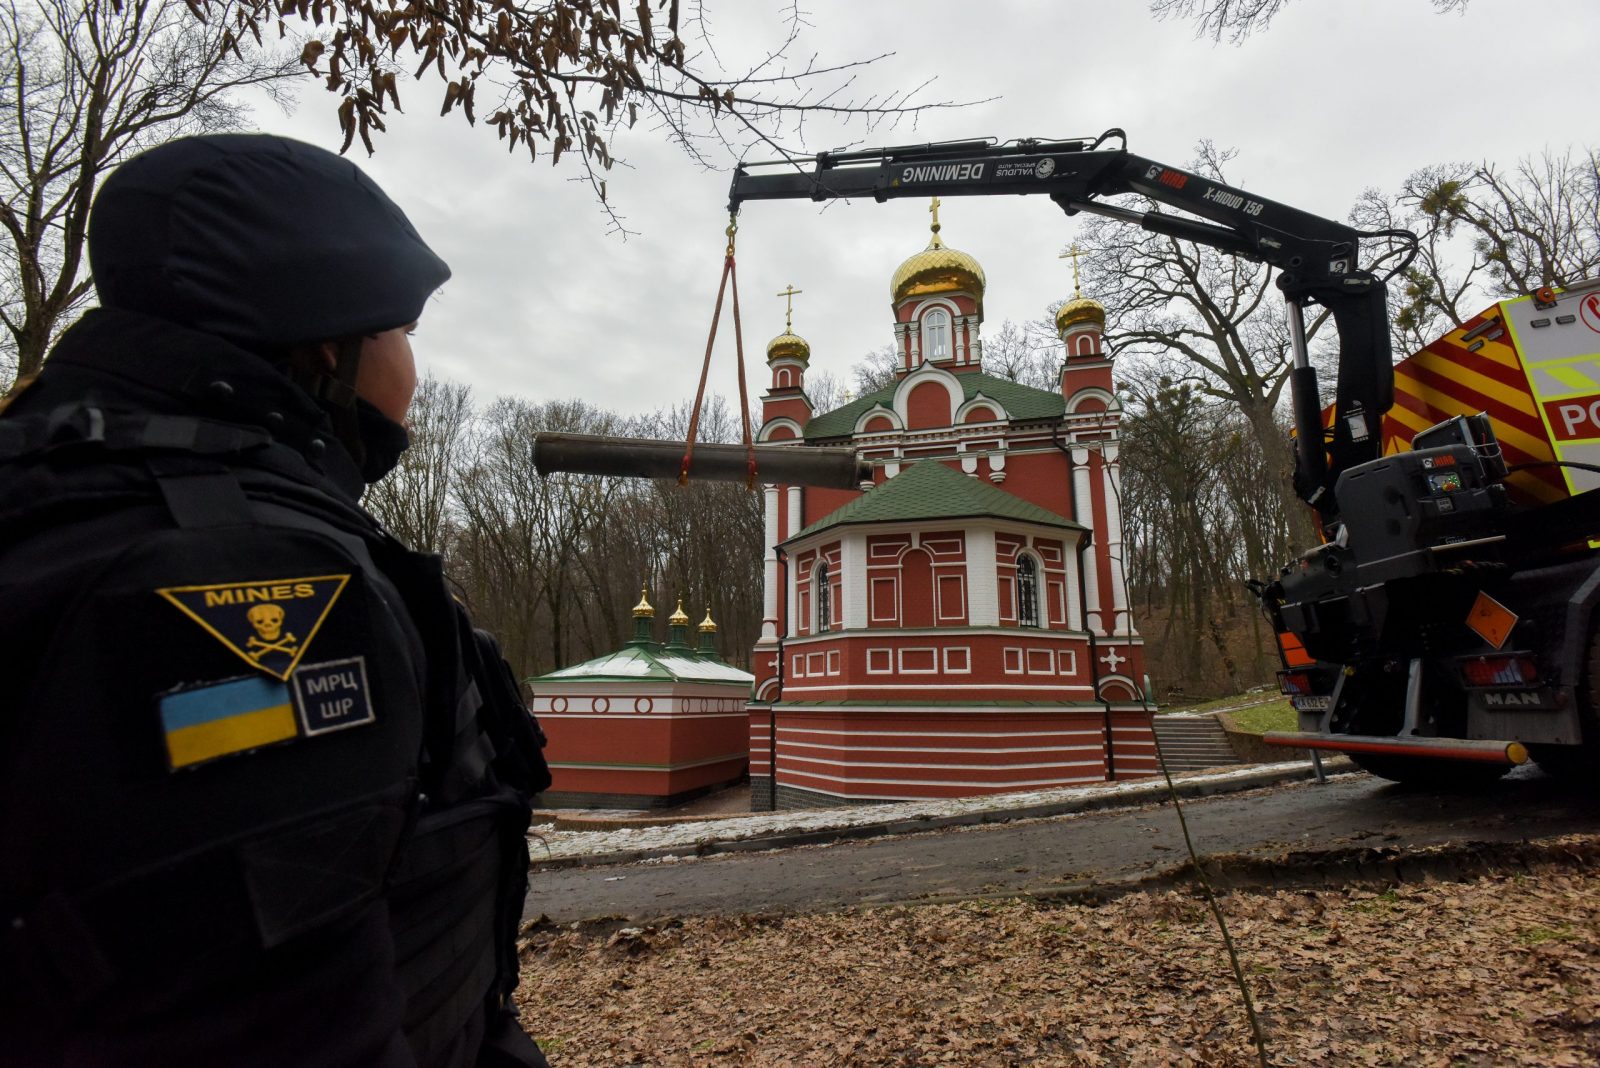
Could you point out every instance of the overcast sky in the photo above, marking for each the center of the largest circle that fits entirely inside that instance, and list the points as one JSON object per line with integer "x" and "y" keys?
{"x": 1337, "y": 96}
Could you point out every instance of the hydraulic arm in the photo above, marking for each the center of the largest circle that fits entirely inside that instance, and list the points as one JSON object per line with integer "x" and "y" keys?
{"x": 1316, "y": 258}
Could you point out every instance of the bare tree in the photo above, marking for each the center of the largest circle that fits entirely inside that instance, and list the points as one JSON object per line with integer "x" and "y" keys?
{"x": 1489, "y": 232}
{"x": 876, "y": 370}
{"x": 1220, "y": 313}
{"x": 1033, "y": 359}
{"x": 85, "y": 83}
{"x": 413, "y": 500}
{"x": 568, "y": 74}
{"x": 1238, "y": 19}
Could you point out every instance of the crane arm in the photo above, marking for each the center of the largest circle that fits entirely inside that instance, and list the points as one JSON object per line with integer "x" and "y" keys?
{"x": 1317, "y": 258}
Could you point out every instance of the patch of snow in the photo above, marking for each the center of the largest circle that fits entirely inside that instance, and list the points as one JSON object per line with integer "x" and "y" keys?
{"x": 616, "y": 664}
{"x": 762, "y": 824}
{"x": 685, "y": 668}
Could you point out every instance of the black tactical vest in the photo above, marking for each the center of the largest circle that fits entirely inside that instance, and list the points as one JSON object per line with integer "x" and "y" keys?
{"x": 264, "y": 791}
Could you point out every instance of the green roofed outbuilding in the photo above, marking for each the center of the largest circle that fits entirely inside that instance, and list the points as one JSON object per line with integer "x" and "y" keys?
{"x": 648, "y": 726}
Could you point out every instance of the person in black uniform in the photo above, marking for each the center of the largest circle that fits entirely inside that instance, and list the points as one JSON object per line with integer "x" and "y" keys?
{"x": 264, "y": 790}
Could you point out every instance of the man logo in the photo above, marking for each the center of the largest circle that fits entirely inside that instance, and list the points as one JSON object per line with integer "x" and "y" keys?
{"x": 1045, "y": 168}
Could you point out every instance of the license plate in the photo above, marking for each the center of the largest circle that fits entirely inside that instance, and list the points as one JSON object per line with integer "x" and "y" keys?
{"x": 1311, "y": 704}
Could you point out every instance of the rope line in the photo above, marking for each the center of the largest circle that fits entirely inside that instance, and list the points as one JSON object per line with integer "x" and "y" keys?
{"x": 729, "y": 271}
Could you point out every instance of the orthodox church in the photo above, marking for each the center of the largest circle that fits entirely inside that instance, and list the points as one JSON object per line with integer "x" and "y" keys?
{"x": 960, "y": 625}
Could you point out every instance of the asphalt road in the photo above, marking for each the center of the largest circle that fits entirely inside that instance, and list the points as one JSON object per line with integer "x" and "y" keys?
{"x": 1034, "y": 855}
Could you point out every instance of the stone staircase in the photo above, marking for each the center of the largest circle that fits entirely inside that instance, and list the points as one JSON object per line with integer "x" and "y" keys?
{"x": 1189, "y": 743}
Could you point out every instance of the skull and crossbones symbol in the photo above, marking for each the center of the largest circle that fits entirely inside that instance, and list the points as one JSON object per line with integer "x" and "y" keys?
{"x": 267, "y": 619}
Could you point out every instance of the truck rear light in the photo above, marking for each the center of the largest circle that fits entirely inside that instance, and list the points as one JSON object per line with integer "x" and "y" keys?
{"x": 1510, "y": 670}
{"x": 1294, "y": 683}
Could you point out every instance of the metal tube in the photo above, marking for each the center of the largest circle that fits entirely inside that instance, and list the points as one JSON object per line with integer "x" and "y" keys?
{"x": 1471, "y": 750}
{"x": 1297, "y": 334}
{"x": 591, "y": 454}
{"x": 1413, "y": 713}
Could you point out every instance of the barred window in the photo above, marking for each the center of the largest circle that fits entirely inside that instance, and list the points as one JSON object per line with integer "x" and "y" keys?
{"x": 824, "y": 600}
{"x": 1027, "y": 592}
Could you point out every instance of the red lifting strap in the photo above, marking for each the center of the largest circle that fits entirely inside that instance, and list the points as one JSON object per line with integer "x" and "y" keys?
{"x": 728, "y": 272}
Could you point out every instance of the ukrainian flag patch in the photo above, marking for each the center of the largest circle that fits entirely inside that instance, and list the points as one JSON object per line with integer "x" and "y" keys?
{"x": 215, "y": 721}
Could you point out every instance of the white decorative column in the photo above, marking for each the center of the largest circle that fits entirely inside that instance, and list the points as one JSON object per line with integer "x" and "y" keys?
{"x": 1121, "y": 620}
{"x": 769, "y": 602}
{"x": 1074, "y": 607}
{"x": 1084, "y": 506}
{"x": 791, "y": 528}
{"x": 853, "y": 580}
{"x": 983, "y": 584}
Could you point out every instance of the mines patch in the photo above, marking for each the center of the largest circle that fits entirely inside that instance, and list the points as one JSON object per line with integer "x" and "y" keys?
{"x": 269, "y": 624}
{"x": 333, "y": 696}
{"x": 207, "y": 722}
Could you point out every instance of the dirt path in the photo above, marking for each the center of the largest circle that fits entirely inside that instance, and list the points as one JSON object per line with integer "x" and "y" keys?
{"x": 1039, "y": 855}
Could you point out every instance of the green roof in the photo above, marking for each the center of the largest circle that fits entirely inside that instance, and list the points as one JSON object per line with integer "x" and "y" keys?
{"x": 1019, "y": 401}
{"x": 649, "y": 662}
{"x": 930, "y": 490}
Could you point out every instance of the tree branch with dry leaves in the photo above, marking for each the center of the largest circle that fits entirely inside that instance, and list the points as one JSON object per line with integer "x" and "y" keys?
{"x": 83, "y": 85}
{"x": 565, "y": 76}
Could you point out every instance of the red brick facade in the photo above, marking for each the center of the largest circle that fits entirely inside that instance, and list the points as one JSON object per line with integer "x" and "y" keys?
{"x": 908, "y": 652}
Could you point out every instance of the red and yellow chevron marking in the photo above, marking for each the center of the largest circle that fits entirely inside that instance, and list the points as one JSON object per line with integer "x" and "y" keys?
{"x": 1447, "y": 379}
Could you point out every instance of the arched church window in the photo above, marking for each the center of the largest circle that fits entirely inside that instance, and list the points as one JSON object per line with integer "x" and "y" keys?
{"x": 824, "y": 600}
{"x": 1027, "y": 592}
{"x": 936, "y": 335}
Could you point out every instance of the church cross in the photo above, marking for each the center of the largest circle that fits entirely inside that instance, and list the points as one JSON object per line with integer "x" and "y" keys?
{"x": 788, "y": 296}
{"x": 1112, "y": 660}
{"x": 1077, "y": 290}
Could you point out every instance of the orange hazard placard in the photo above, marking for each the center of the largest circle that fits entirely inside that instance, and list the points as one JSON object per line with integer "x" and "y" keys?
{"x": 1491, "y": 620}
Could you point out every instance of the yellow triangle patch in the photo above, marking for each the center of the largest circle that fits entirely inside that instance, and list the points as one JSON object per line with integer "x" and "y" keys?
{"x": 268, "y": 624}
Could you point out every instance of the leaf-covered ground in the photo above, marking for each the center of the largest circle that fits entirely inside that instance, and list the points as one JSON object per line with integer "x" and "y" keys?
{"x": 1500, "y": 970}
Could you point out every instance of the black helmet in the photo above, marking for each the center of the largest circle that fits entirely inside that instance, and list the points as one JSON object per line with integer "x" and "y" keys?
{"x": 262, "y": 240}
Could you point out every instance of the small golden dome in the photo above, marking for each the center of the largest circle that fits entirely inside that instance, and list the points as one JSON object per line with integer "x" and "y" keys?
{"x": 708, "y": 625}
{"x": 644, "y": 610}
{"x": 787, "y": 344}
{"x": 1080, "y": 310}
{"x": 680, "y": 618}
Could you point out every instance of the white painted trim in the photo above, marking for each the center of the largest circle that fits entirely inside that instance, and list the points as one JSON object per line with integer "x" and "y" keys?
{"x": 1091, "y": 732}
{"x": 1004, "y": 787}
{"x": 972, "y": 709}
{"x": 652, "y": 767}
{"x": 995, "y": 789}
{"x": 1095, "y": 393}
{"x": 772, "y": 424}
{"x": 1048, "y": 687}
{"x": 923, "y": 373}
{"x": 878, "y": 411}
{"x": 641, "y": 716}
{"x": 980, "y": 399}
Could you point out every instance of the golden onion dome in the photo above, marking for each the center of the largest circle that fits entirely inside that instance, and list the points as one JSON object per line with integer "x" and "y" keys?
{"x": 680, "y": 618}
{"x": 937, "y": 269}
{"x": 644, "y": 610}
{"x": 708, "y": 625}
{"x": 1080, "y": 310}
{"x": 788, "y": 344}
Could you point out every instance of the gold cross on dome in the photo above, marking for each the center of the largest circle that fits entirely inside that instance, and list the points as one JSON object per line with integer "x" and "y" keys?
{"x": 788, "y": 296}
{"x": 1077, "y": 290}
{"x": 933, "y": 209}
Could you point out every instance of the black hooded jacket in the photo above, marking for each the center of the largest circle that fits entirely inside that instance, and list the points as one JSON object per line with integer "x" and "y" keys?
{"x": 263, "y": 790}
